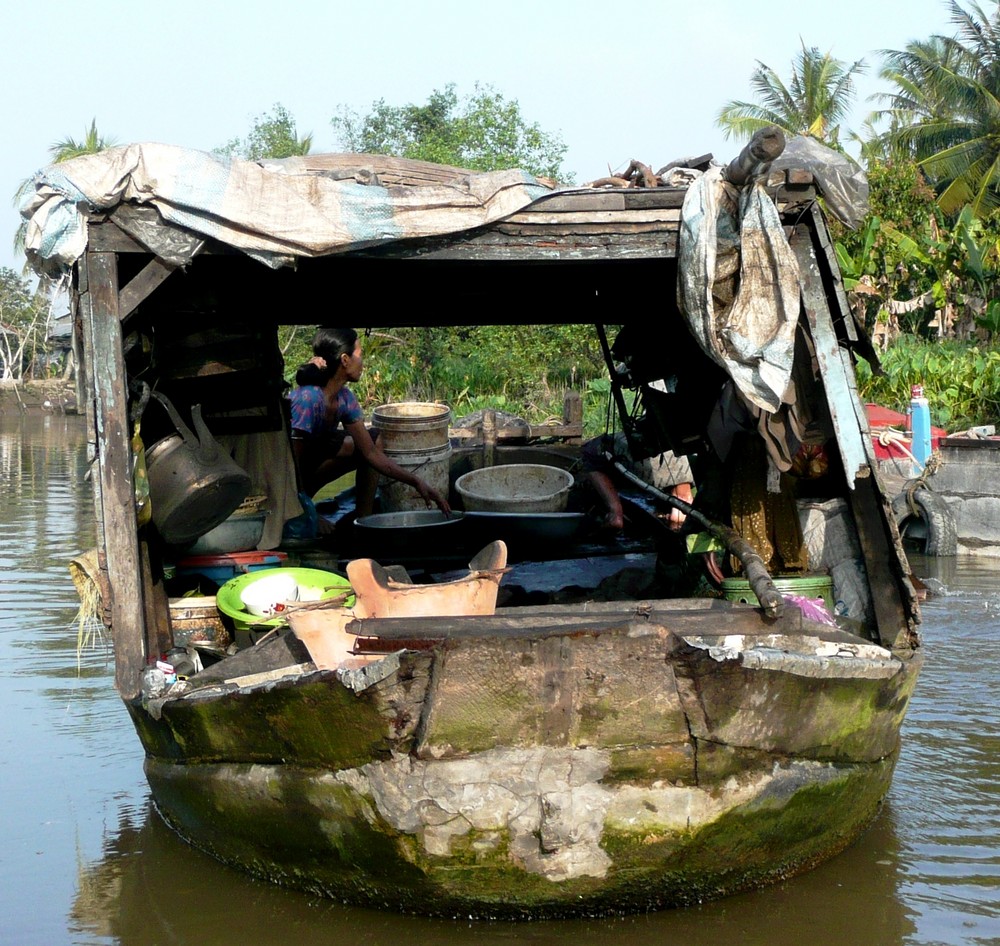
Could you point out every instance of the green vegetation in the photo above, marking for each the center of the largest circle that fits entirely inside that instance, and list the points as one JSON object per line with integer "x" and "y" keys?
{"x": 944, "y": 112}
{"x": 22, "y": 327}
{"x": 961, "y": 381}
{"x": 273, "y": 135}
{"x": 923, "y": 270}
{"x": 523, "y": 369}
{"x": 817, "y": 97}
{"x": 91, "y": 143}
{"x": 484, "y": 131}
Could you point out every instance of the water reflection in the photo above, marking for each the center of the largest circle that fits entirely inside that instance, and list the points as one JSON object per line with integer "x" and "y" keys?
{"x": 77, "y": 824}
{"x": 948, "y": 789}
{"x": 148, "y": 880}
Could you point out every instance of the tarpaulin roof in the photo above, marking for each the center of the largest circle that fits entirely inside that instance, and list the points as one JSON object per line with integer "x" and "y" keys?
{"x": 273, "y": 210}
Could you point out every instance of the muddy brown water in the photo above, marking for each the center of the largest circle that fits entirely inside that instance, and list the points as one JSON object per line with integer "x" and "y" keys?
{"x": 86, "y": 860}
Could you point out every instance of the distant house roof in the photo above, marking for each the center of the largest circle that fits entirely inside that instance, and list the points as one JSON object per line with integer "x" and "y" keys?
{"x": 60, "y": 328}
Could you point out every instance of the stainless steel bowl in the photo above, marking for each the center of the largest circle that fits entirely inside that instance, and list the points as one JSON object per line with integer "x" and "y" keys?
{"x": 412, "y": 532}
{"x": 410, "y": 519}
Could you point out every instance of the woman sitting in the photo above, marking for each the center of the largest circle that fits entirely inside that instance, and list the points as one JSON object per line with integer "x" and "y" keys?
{"x": 323, "y": 403}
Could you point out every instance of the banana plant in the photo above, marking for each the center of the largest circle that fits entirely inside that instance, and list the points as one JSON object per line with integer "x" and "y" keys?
{"x": 855, "y": 268}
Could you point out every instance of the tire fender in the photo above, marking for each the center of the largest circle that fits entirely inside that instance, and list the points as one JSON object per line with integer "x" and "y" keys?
{"x": 942, "y": 537}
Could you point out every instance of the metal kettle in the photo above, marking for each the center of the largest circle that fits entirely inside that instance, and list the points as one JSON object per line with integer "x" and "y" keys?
{"x": 193, "y": 483}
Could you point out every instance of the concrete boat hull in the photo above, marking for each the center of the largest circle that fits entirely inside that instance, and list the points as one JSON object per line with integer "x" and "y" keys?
{"x": 637, "y": 850}
{"x": 578, "y": 773}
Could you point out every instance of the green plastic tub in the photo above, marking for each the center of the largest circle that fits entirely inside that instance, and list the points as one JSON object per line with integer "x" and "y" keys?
{"x": 807, "y": 586}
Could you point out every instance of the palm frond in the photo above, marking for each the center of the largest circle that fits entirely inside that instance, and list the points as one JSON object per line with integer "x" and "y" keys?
{"x": 816, "y": 98}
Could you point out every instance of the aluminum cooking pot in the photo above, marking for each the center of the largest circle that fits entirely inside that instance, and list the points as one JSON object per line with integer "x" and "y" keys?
{"x": 193, "y": 483}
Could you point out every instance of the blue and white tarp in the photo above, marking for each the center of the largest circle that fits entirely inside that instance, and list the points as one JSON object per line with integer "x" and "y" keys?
{"x": 274, "y": 211}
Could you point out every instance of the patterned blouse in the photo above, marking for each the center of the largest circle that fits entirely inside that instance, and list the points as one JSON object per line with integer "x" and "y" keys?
{"x": 311, "y": 417}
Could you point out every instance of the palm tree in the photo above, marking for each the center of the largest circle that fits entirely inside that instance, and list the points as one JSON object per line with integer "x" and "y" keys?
{"x": 814, "y": 102}
{"x": 945, "y": 113}
{"x": 59, "y": 151}
{"x": 913, "y": 71}
{"x": 92, "y": 143}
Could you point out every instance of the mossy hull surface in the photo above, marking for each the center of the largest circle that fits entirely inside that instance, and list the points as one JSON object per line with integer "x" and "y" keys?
{"x": 315, "y": 831}
{"x": 576, "y": 774}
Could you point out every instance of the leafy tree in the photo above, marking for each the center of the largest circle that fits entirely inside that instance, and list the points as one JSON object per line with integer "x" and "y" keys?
{"x": 900, "y": 200}
{"x": 273, "y": 135}
{"x": 22, "y": 326}
{"x": 484, "y": 131}
{"x": 946, "y": 109}
{"x": 916, "y": 99}
{"x": 908, "y": 264}
{"x": 814, "y": 102}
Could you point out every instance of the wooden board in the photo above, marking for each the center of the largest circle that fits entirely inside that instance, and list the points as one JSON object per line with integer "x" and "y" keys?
{"x": 735, "y": 620}
{"x": 105, "y": 366}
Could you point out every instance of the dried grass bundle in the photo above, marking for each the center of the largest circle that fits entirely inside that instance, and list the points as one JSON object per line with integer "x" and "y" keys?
{"x": 86, "y": 575}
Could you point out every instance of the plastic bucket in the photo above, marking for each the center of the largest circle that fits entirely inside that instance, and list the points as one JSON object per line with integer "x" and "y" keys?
{"x": 806, "y": 586}
{"x": 432, "y": 467}
{"x": 417, "y": 427}
{"x": 415, "y": 435}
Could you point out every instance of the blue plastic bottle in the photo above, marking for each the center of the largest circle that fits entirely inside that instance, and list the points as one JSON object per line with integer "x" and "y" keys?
{"x": 920, "y": 426}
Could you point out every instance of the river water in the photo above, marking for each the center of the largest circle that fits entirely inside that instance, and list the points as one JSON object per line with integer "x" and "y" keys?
{"x": 85, "y": 860}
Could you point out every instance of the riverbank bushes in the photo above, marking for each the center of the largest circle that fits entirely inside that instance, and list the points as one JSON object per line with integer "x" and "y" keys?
{"x": 524, "y": 370}
{"x": 520, "y": 369}
{"x": 961, "y": 380}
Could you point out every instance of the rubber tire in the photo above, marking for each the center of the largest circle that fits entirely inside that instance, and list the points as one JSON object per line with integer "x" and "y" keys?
{"x": 937, "y": 518}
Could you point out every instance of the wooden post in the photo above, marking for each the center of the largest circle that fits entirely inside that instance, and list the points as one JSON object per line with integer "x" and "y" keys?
{"x": 114, "y": 490}
{"x": 573, "y": 414}
{"x": 159, "y": 636}
{"x": 76, "y": 351}
{"x": 892, "y": 602}
{"x": 489, "y": 437}
{"x": 86, "y": 402}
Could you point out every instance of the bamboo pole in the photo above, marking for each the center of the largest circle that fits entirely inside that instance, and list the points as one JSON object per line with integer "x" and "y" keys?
{"x": 760, "y": 581}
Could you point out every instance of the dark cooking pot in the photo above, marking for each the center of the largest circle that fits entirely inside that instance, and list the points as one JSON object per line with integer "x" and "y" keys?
{"x": 193, "y": 483}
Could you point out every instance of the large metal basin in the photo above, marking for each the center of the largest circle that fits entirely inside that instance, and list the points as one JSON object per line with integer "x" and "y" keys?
{"x": 413, "y": 533}
{"x": 520, "y": 528}
{"x": 515, "y": 488}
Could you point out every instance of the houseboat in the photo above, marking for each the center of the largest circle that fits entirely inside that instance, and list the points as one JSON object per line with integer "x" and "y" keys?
{"x": 607, "y": 734}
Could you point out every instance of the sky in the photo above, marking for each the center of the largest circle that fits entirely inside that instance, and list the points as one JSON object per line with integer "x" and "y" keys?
{"x": 615, "y": 81}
